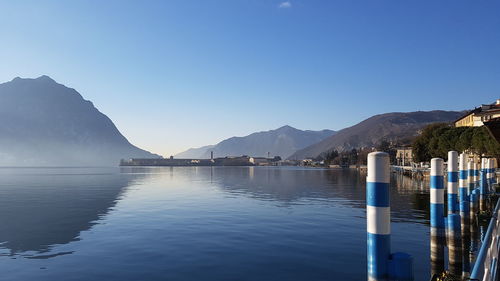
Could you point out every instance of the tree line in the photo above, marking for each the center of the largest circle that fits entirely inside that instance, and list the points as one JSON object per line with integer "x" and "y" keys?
{"x": 355, "y": 156}
{"x": 437, "y": 139}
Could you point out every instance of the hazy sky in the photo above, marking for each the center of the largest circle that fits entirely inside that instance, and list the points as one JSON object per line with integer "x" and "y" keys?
{"x": 180, "y": 74}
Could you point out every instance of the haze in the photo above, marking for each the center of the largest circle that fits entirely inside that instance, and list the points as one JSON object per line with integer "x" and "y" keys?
{"x": 179, "y": 74}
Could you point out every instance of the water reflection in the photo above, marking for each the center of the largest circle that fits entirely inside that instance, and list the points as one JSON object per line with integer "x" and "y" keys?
{"x": 44, "y": 207}
{"x": 210, "y": 223}
{"x": 286, "y": 184}
{"x": 409, "y": 198}
{"x": 40, "y": 208}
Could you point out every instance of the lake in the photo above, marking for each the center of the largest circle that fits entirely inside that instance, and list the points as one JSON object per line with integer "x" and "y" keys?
{"x": 198, "y": 223}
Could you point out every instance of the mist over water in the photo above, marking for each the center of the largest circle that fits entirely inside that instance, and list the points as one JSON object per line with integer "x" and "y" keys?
{"x": 198, "y": 223}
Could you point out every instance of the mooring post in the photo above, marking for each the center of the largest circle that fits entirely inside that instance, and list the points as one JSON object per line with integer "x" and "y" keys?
{"x": 494, "y": 170}
{"x": 464, "y": 194}
{"x": 474, "y": 206}
{"x": 378, "y": 216}
{"x": 437, "y": 216}
{"x": 477, "y": 169}
{"x": 452, "y": 182}
{"x": 474, "y": 227}
{"x": 466, "y": 256}
{"x": 490, "y": 175}
{"x": 486, "y": 170}
{"x": 483, "y": 188}
{"x": 454, "y": 245}
{"x": 470, "y": 178}
{"x": 465, "y": 214}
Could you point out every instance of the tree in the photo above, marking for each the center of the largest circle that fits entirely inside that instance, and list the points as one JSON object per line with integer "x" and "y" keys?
{"x": 386, "y": 146}
{"x": 437, "y": 139}
{"x": 353, "y": 156}
{"x": 330, "y": 156}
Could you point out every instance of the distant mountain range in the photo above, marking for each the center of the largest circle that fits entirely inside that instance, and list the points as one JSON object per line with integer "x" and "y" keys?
{"x": 370, "y": 132}
{"x": 282, "y": 142}
{"x": 48, "y": 124}
{"x": 44, "y": 123}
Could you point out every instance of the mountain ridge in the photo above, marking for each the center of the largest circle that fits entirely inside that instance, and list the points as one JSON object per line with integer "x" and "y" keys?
{"x": 49, "y": 124}
{"x": 369, "y": 132}
{"x": 282, "y": 142}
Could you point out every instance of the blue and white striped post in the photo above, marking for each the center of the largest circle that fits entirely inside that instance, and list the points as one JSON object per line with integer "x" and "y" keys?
{"x": 474, "y": 212}
{"x": 474, "y": 227}
{"x": 463, "y": 193}
{"x": 477, "y": 169}
{"x": 494, "y": 170}
{"x": 469, "y": 237}
{"x": 378, "y": 216}
{"x": 437, "y": 216}
{"x": 474, "y": 205}
{"x": 466, "y": 243}
{"x": 486, "y": 169}
{"x": 470, "y": 168}
{"x": 490, "y": 175}
{"x": 452, "y": 182}
{"x": 454, "y": 245}
{"x": 483, "y": 187}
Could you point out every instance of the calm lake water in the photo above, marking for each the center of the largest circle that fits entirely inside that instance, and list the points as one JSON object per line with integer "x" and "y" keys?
{"x": 198, "y": 223}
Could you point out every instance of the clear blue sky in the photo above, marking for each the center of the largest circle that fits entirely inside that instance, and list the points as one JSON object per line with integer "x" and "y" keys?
{"x": 180, "y": 74}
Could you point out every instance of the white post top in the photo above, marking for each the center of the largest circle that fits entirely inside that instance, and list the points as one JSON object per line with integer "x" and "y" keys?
{"x": 470, "y": 165}
{"x": 378, "y": 167}
{"x": 463, "y": 161}
{"x": 452, "y": 161}
{"x": 437, "y": 167}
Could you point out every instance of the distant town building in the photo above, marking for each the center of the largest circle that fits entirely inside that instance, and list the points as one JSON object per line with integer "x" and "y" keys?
{"x": 263, "y": 161}
{"x": 307, "y": 162}
{"x": 233, "y": 161}
{"x": 404, "y": 156}
{"x": 479, "y": 115}
{"x": 222, "y": 161}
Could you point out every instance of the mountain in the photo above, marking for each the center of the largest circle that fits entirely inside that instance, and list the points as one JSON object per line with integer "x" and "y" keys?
{"x": 370, "y": 132}
{"x": 195, "y": 152}
{"x": 48, "y": 124}
{"x": 280, "y": 142}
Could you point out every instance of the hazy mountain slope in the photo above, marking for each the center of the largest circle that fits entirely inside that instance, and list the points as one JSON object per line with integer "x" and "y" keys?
{"x": 194, "y": 152}
{"x": 280, "y": 142}
{"x": 368, "y": 133}
{"x": 45, "y": 124}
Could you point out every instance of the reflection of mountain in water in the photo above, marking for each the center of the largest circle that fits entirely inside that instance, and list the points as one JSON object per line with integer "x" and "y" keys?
{"x": 40, "y": 208}
{"x": 409, "y": 198}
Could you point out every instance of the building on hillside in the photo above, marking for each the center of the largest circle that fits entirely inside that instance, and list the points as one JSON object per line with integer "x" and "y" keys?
{"x": 490, "y": 112}
{"x": 479, "y": 115}
{"x": 404, "y": 156}
{"x": 470, "y": 119}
